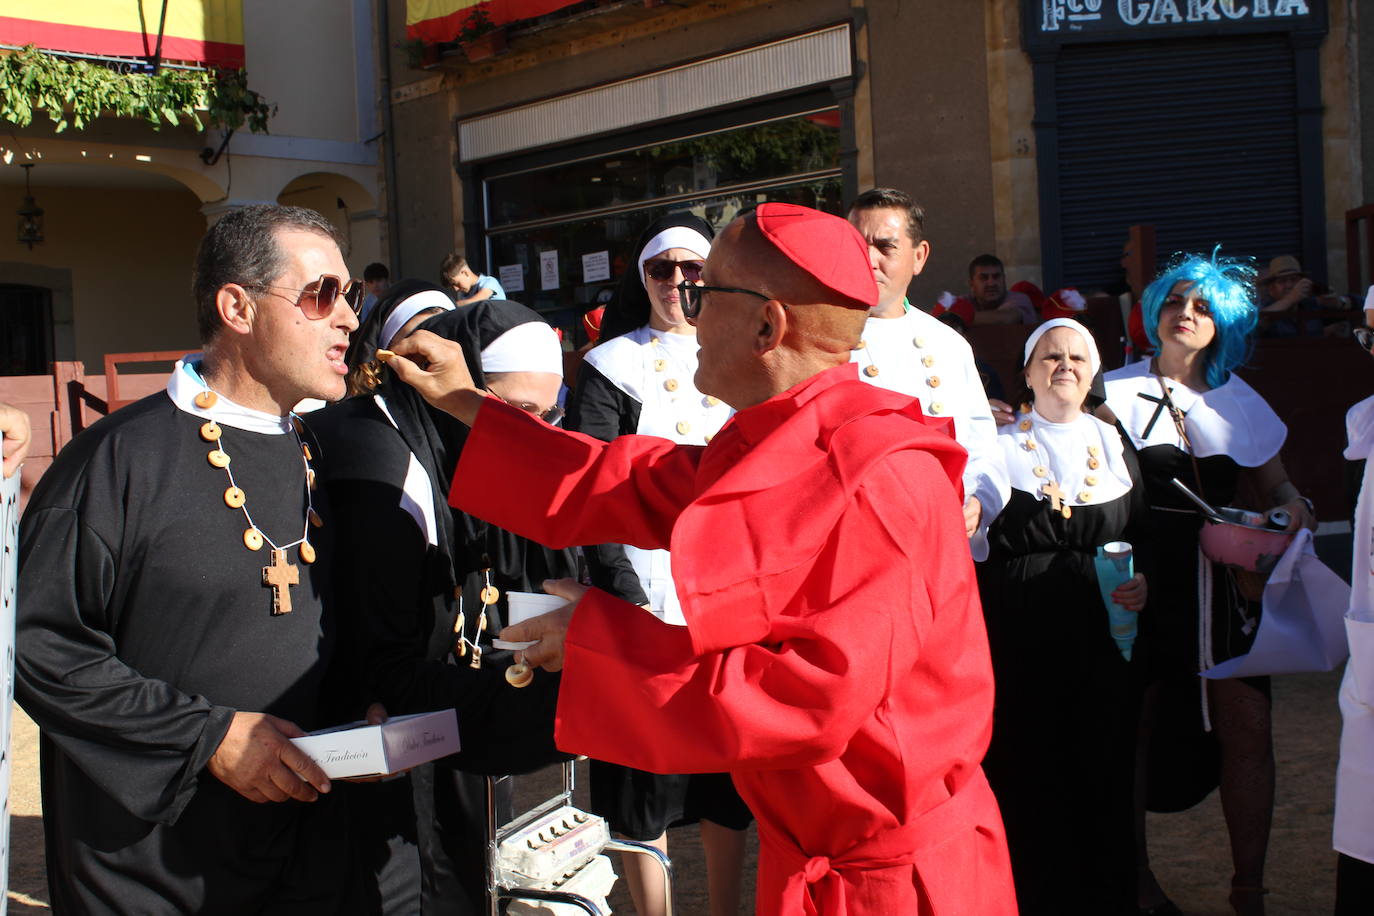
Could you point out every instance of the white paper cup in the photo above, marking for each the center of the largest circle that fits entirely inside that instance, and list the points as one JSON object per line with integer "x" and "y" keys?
{"x": 521, "y": 606}
{"x": 1117, "y": 550}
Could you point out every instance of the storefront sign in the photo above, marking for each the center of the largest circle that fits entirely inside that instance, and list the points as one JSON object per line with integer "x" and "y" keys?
{"x": 1055, "y": 22}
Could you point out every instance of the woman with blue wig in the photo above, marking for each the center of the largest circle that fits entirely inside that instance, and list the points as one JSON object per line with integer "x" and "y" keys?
{"x": 1190, "y": 417}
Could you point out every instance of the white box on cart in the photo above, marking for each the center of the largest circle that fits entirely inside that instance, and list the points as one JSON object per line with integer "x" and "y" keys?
{"x": 359, "y": 749}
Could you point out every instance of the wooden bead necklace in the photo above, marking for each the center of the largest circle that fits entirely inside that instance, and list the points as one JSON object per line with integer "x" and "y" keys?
{"x": 1042, "y": 470}
{"x": 279, "y": 575}
{"x": 518, "y": 674}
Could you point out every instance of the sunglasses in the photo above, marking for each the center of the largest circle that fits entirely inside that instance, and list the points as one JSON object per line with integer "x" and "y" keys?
{"x": 662, "y": 270}
{"x": 553, "y": 416}
{"x": 692, "y": 294}
{"x": 1365, "y": 338}
{"x": 317, "y": 300}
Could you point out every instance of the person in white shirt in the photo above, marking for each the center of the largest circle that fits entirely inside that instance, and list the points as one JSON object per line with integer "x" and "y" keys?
{"x": 905, "y": 349}
{"x": 1353, "y": 833}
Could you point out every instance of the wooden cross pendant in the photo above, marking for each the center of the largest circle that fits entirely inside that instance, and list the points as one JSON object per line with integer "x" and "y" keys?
{"x": 280, "y": 576}
{"x": 1055, "y": 494}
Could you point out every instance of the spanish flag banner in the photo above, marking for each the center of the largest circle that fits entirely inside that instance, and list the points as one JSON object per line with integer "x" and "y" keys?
{"x": 436, "y": 21}
{"x": 206, "y": 32}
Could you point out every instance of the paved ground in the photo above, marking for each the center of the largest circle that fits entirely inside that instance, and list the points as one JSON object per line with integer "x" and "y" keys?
{"x": 1189, "y": 849}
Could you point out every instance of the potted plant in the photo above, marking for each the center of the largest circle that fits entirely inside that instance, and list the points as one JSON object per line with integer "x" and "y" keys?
{"x": 480, "y": 37}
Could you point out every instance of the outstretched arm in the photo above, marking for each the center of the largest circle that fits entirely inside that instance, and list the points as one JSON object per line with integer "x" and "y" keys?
{"x": 14, "y": 426}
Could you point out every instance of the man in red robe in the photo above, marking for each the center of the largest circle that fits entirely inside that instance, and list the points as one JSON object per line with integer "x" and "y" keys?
{"x": 834, "y": 660}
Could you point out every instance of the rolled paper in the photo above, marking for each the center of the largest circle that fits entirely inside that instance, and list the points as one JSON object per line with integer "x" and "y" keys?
{"x": 1115, "y": 564}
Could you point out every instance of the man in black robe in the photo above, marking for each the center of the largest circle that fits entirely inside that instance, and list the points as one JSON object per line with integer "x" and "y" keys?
{"x": 172, "y": 632}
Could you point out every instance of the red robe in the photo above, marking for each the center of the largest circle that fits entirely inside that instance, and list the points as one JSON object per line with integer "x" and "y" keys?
{"x": 834, "y": 662}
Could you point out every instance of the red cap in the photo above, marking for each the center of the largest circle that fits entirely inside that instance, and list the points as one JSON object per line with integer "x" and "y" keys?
{"x": 591, "y": 323}
{"x": 825, "y": 246}
{"x": 1032, "y": 292}
{"x": 960, "y": 307}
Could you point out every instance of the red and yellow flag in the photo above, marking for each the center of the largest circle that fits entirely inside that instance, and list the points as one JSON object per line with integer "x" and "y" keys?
{"x": 198, "y": 31}
{"x": 435, "y": 21}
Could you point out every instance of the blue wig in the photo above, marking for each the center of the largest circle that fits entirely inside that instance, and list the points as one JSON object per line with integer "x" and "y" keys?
{"x": 1227, "y": 284}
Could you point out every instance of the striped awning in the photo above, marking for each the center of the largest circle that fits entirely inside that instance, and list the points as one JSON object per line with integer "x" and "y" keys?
{"x": 206, "y": 32}
{"x": 435, "y": 21}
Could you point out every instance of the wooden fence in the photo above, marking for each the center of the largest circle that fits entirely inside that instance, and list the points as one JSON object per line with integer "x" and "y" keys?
{"x": 64, "y": 403}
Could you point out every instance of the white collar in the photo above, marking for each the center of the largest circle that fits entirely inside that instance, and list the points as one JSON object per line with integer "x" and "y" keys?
{"x": 1231, "y": 420}
{"x": 1062, "y": 450}
{"x": 186, "y": 383}
{"x": 417, "y": 492}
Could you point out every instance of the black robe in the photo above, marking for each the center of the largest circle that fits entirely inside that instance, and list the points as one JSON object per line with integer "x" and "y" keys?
{"x": 425, "y": 837}
{"x": 142, "y": 626}
{"x": 1061, "y": 760}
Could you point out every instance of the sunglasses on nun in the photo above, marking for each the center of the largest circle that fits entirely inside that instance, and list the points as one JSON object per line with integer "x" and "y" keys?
{"x": 662, "y": 269}
{"x": 317, "y": 300}
{"x": 1365, "y": 338}
{"x": 552, "y": 416}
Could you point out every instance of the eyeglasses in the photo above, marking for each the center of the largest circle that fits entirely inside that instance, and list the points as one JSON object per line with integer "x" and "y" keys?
{"x": 661, "y": 269}
{"x": 1365, "y": 338}
{"x": 317, "y": 299}
{"x": 553, "y": 416}
{"x": 692, "y": 293}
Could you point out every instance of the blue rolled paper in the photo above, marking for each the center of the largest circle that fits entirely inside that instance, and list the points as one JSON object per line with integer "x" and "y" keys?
{"x": 1121, "y": 623}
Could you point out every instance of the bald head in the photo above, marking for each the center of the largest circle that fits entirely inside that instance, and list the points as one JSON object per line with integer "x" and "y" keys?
{"x": 752, "y": 349}
{"x": 825, "y": 322}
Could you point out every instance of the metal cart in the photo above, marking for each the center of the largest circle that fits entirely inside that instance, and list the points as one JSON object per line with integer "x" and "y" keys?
{"x": 500, "y": 894}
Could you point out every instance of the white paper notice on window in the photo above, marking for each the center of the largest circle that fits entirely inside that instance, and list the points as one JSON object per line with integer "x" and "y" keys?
{"x": 596, "y": 266}
{"x": 548, "y": 270}
{"x": 512, "y": 278}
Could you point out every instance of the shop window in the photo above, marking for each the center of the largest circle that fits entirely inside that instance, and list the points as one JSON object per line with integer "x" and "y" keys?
{"x": 542, "y": 222}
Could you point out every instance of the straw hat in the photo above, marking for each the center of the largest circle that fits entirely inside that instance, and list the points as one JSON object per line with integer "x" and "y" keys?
{"x": 1285, "y": 265}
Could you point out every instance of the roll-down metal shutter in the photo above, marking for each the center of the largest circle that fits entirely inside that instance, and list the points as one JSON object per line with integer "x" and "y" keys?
{"x": 1197, "y": 137}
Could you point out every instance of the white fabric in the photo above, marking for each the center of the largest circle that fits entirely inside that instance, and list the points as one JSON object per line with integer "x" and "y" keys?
{"x": 1094, "y": 360}
{"x": 407, "y": 309}
{"x": 1354, "y": 821}
{"x": 186, "y": 383}
{"x": 897, "y": 346}
{"x": 1369, "y": 299}
{"x": 1063, "y": 449}
{"x": 417, "y": 493}
{"x": 673, "y": 237}
{"x": 1071, "y": 299}
{"x": 1231, "y": 420}
{"x": 1300, "y": 627}
{"x": 629, "y": 363}
{"x": 529, "y": 347}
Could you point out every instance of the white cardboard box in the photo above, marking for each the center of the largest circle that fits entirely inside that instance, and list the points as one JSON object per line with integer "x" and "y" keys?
{"x": 359, "y": 749}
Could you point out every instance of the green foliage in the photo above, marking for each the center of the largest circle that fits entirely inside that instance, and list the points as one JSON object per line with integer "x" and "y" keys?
{"x": 778, "y": 148}
{"x": 75, "y": 92}
{"x": 477, "y": 23}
